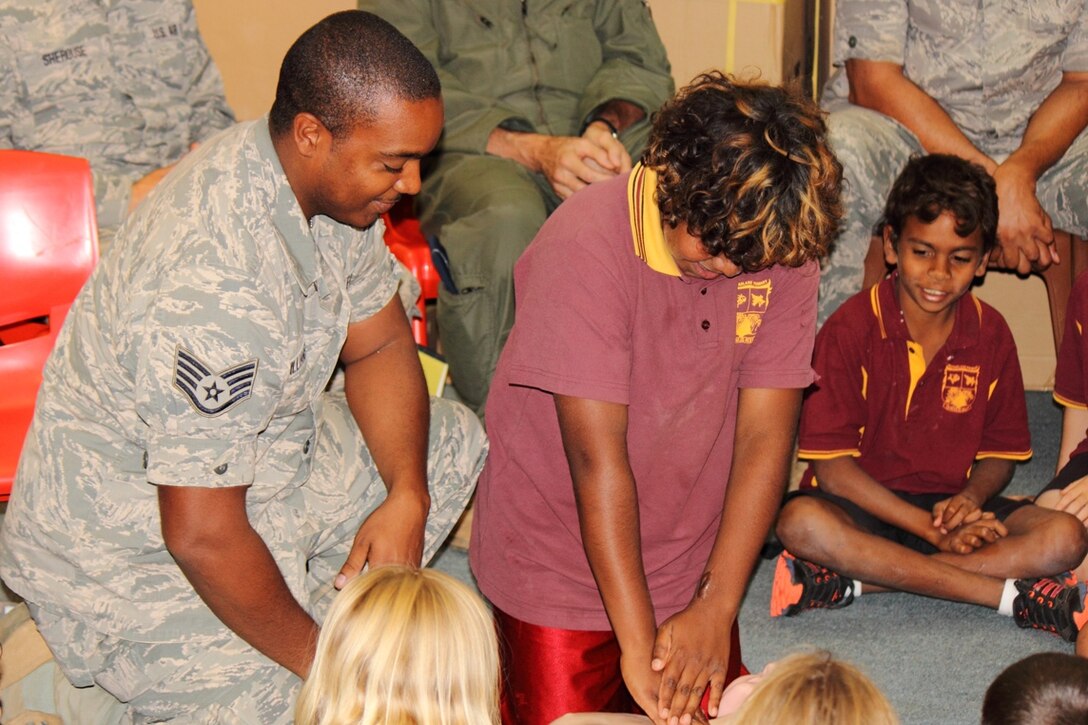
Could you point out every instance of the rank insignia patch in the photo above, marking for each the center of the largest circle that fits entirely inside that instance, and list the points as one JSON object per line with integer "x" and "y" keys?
{"x": 212, "y": 393}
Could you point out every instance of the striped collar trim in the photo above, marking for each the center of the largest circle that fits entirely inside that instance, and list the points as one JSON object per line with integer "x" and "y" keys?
{"x": 646, "y": 230}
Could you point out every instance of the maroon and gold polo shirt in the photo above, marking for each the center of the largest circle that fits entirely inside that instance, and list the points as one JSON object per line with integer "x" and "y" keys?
{"x": 603, "y": 313}
{"x": 914, "y": 429}
{"x": 1072, "y": 373}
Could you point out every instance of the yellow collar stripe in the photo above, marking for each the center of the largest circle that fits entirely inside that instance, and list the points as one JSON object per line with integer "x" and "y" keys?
{"x": 646, "y": 232}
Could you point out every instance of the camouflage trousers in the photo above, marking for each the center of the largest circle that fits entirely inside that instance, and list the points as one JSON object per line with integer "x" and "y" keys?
{"x": 309, "y": 531}
{"x": 873, "y": 149}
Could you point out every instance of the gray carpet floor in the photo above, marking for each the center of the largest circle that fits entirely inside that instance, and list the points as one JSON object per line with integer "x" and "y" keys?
{"x": 933, "y": 659}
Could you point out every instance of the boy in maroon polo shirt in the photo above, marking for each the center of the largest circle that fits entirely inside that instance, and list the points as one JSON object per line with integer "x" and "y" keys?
{"x": 914, "y": 428}
{"x": 1068, "y": 491}
{"x": 644, "y": 408}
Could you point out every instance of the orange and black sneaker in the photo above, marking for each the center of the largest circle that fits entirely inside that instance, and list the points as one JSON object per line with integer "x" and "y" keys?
{"x": 800, "y": 585}
{"x": 1051, "y": 604}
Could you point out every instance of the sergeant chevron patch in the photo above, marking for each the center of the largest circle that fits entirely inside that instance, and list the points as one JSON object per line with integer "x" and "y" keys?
{"x": 212, "y": 393}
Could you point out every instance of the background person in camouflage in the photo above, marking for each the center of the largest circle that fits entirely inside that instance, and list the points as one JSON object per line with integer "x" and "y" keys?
{"x": 1003, "y": 83}
{"x": 542, "y": 98}
{"x": 127, "y": 84}
{"x": 189, "y": 496}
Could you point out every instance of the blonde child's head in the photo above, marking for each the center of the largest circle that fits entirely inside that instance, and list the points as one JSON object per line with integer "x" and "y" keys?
{"x": 815, "y": 689}
{"x": 403, "y": 646}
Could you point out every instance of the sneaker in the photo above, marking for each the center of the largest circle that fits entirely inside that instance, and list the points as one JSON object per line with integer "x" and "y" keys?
{"x": 1051, "y": 605}
{"x": 800, "y": 585}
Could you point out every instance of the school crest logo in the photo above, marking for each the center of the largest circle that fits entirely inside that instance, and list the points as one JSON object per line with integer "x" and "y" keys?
{"x": 959, "y": 387}
{"x": 212, "y": 393}
{"x": 753, "y": 299}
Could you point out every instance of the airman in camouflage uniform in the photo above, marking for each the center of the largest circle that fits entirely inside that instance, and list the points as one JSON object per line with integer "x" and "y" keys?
{"x": 991, "y": 81}
{"x": 127, "y": 84}
{"x": 187, "y": 393}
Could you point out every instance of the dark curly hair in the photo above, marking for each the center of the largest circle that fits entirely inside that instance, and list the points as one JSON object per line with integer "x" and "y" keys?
{"x": 746, "y": 166}
{"x": 1049, "y": 687}
{"x": 341, "y": 68}
{"x": 930, "y": 185}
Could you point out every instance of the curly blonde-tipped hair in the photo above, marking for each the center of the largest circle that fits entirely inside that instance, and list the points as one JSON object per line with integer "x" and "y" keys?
{"x": 746, "y": 167}
{"x": 403, "y": 646}
{"x": 814, "y": 688}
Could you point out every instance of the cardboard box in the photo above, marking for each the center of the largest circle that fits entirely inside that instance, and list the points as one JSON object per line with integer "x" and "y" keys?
{"x": 1024, "y": 305}
{"x": 765, "y": 38}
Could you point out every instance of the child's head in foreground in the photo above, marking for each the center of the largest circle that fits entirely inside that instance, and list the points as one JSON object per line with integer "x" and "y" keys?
{"x": 745, "y": 169}
{"x": 403, "y": 646}
{"x": 1049, "y": 688}
{"x": 813, "y": 688}
{"x": 939, "y": 225}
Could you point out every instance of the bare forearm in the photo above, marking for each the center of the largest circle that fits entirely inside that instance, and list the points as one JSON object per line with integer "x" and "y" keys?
{"x": 843, "y": 477}
{"x": 594, "y": 440}
{"x": 763, "y": 444}
{"x": 238, "y": 579}
{"x": 1061, "y": 117}
{"x": 988, "y": 478}
{"x": 387, "y": 395}
{"x": 621, "y": 114}
{"x": 608, "y": 517}
{"x": 882, "y": 87}
{"x": 524, "y": 148}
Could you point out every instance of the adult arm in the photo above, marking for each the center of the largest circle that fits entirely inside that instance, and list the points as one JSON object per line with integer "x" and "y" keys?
{"x": 1024, "y": 228}
{"x": 883, "y": 87}
{"x": 208, "y": 533}
{"x": 387, "y": 396}
{"x": 595, "y": 442}
{"x": 692, "y": 647}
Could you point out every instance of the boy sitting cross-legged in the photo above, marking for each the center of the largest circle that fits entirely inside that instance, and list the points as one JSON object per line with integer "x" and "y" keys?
{"x": 914, "y": 427}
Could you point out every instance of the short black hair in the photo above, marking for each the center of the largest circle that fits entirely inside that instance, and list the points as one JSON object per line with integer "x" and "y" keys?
{"x": 340, "y": 69}
{"x": 1049, "y": 687}
{"x": 930, "y": 185}
{"x": 746, "y": 166}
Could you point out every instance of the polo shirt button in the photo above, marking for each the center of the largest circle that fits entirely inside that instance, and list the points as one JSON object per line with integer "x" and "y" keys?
{"x": 853, "y": 42}
{"x": 705, "y": 324}
{"x": 145, "y": 460}
{"x": 306, "y": 446}
{"x": 220, "y": 469}
{"x": 702, "y": 291}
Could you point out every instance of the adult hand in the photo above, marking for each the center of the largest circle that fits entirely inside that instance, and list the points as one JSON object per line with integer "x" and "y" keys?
{"x": 1024, "y": 232}
{"x": 564, "y": 162}
{"x": 1074, "y": 499}
{"x": 952, "y": 512}
{"x": 601, "y": 135}
{"x": 969, "y": 537}
{"x": 691, "y": 652}
{"x": 391, "y": 534}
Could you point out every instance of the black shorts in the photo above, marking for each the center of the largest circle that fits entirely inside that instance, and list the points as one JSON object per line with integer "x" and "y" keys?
{"x": 1077, "y": 468}
{"x": 999, "y": 506}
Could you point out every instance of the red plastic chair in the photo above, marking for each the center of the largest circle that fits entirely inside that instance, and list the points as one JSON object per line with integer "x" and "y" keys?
{"x": 407, "y": 243}
{"x": 48, "y": 247}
